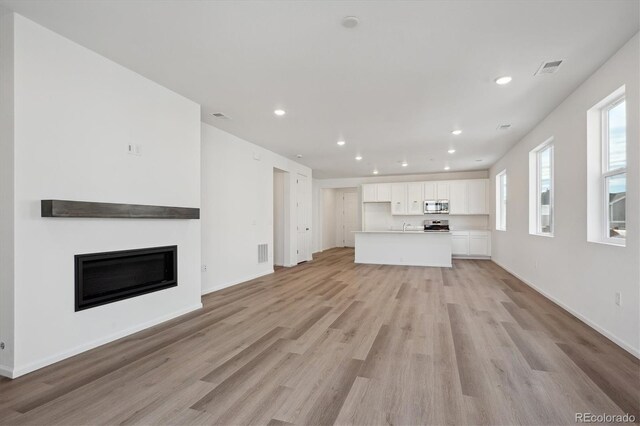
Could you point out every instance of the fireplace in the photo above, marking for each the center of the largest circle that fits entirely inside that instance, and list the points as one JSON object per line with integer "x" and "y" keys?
{"x": 103, "y": 278}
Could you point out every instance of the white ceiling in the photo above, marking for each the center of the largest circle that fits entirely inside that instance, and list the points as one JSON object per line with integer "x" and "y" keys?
{"x": 394, "y": 87}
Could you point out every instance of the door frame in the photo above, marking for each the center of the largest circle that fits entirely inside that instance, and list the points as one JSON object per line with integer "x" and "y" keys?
{"x": 340, "y": 232}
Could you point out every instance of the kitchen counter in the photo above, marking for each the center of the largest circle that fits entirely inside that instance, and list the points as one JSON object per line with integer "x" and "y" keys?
{"x": 390, "y": 231}
{"x": 413, "y": 248}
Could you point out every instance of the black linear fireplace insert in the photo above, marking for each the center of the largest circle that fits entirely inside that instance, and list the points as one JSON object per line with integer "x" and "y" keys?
{"x": 108, "y": 277}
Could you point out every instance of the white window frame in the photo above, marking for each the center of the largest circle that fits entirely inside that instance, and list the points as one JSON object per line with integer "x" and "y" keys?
{"x": 535, "y": 183}
{"x": 501, "y": 201}
{"x": 605, "y": 173}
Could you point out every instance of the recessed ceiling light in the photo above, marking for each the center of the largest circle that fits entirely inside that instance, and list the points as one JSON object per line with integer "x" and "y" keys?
{"x": 451, "y": 151}
{"x": 350, "y": 21}
{"x": 503, "y": 80}
{"x": 299, "y": 156}
{"x": 405, "y": 164}
{"x": 341, "y": 143}
{"x": 375, "y": 172}
{"x": 279, "y": 112}
{"x": 479, "y": 159}
{"x": 447, "y": 167}
{"x": 456, "y": 132}
{"x": 358, "y": 157}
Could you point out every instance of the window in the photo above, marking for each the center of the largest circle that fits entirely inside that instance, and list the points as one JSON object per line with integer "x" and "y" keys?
{"x": 541, "y": 189}
{"x": 607, "y": 170}
{"x": 614, "y": 169}
{"x": 501, "y": 201}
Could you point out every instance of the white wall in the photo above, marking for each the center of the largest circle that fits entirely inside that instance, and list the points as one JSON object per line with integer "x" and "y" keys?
{"x": 319, "y": 184}
{"x": 6, "y": 191}
{"x": 75, "y": 112}
{"x": 237, "y": 208}
{"x": 581, "y": 276}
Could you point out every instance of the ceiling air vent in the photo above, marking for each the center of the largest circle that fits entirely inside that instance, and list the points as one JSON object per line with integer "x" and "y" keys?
{"x": 504, "y": 126}
{"x": 548, "y": 67}
{"x": 220, "y": 115}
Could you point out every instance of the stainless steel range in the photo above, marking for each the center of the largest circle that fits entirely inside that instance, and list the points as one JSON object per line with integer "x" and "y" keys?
{"x": 436, "y": 225}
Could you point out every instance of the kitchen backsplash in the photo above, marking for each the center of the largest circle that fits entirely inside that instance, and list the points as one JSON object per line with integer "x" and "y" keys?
{"x": 377, "y": 217}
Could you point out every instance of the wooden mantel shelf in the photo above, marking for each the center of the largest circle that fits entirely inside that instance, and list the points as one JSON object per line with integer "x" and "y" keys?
{"x": 65, "y": 208}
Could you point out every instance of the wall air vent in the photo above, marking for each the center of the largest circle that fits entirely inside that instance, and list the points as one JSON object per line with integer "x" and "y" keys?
{"x": 220, "y": 115}
{"x": 263, "y": 253}
{"x": 504, "y": 126}
{"x": 548, "y": 67}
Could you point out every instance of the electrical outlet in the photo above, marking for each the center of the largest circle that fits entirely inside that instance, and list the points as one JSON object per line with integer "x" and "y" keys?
{"x": 204, "y": 268}
{"x": 134, "y": 149}
{"x": 618, "y": 298}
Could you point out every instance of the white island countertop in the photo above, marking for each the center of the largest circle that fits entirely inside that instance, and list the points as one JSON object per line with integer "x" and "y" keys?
{"x": 415, "y": 248}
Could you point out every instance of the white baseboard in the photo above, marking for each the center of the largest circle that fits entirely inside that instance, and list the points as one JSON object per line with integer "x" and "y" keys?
{"x": 6, "y": 371}
{"x": 22, "y": 370}
{"x": 606, "y": 333}
{"x": 236, "y": 281}
{"x": 459, "y": 256}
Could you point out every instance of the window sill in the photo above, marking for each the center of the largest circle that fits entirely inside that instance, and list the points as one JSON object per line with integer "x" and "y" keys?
{"x": 541, "y": 235}
{"x": 609, "y": 243}
{"x": 501, "y": 230}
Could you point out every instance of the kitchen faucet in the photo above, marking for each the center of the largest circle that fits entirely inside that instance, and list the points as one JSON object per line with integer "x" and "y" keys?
{"x": 404, "y": 226}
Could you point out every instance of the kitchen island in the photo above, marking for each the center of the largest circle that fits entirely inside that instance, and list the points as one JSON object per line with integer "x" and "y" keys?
{"x": 413, "y": 248}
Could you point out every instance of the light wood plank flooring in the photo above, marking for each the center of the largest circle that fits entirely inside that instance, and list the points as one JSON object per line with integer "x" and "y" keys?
{"x": 331, "y": 342}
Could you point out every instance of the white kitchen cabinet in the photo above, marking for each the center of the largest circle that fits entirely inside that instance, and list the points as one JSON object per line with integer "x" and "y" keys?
{"x": 384, "y": 192}
{"x": 469, "y": 196}
{"x": 369, "y": 193}
{"x": 436, "y": 190}
{"x": 471, "y": 243}
{"x": 430, "y": 191}
{"x": 477, "y": 196}
{"x": 415, "y": 198}
{"x": 458, "y": 197}
{"x": 442, "y": 191}
{"x": 459, "y": 243}
{"x": 399, "y": 199}
{"x": 479, "y": 243}
{"x": 376, "y": 192}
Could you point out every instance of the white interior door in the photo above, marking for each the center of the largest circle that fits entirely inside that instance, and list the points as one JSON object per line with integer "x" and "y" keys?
{"x": 349, "y": 218}
{"x": 303, "y": 219}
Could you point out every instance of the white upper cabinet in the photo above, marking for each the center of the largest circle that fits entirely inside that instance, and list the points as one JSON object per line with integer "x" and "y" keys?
{"x": 465, "y": 196}
{"x": 469, "y": 196}
{"x": 384, "y": 192}
{"x": 442, "y": 190}
{"x": 477, "y": 196}
{"x": 399, "y": 198}
{"x": 376, "y": 192}
{"x": 369, "y": 193}
{"x": 458, "y": 197}
{"x": 415, "y": 198}
{"x": 430, "y": 191}
{"x": 436, "y": 190}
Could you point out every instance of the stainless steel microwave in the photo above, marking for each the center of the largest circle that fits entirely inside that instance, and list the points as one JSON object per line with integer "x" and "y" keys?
{"x": 436, "y": 207}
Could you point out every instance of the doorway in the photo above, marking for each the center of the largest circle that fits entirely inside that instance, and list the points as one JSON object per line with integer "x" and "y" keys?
{"x": 303, "y": 214}
{"x": 346, "y": 217}
{"x": 340, "y": 217}
{"x": 280, "y": 179}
